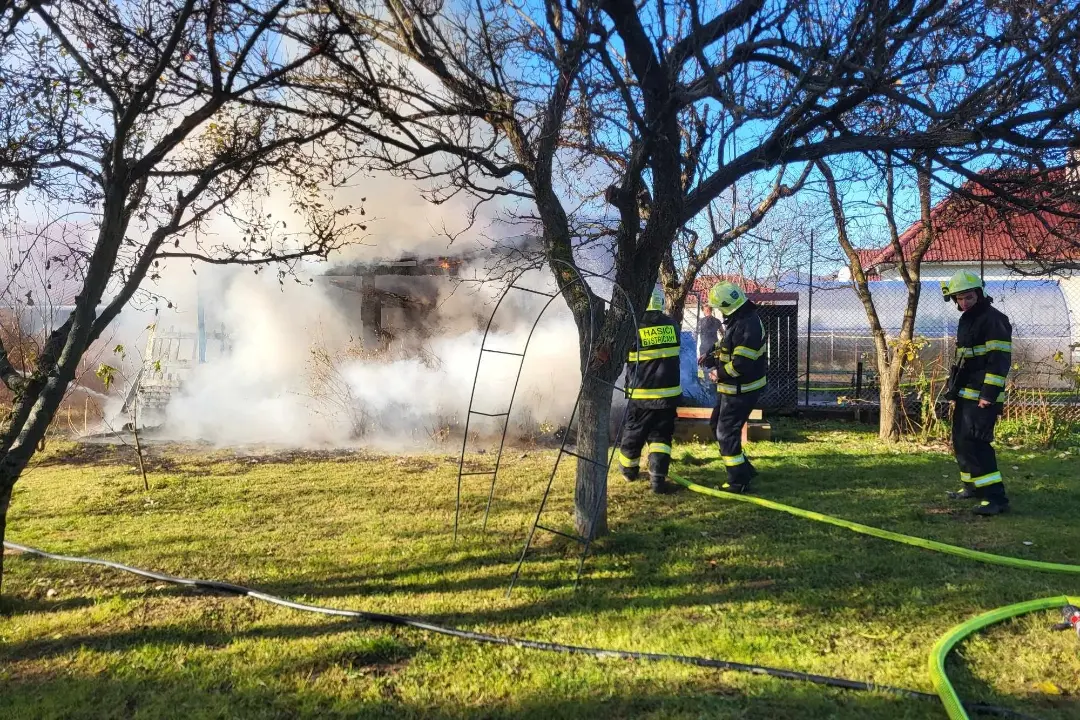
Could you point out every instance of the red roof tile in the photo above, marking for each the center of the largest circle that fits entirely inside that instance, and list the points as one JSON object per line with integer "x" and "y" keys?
{"x": 867, "y": 257}
{"x": 969, "y": 231}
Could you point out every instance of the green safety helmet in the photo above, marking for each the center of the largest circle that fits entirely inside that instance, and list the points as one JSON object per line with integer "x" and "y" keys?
{"x": 726, "y": 296}
{"x": 656, "y": 300}
{"x": 962, "y": 281}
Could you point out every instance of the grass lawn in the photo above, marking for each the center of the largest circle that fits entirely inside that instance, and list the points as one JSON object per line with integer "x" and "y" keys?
{"x": 684, "y": 574}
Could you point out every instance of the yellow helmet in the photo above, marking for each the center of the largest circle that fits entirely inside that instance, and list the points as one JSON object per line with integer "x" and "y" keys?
{"x": 961, "y": 281}
{"x": 726, "y": 296}
{"x": 656, "y": 300}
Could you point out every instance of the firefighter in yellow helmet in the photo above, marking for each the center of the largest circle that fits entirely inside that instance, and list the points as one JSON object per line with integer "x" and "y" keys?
{"x": 977, "y": 389}
{"x": 738, "y": 362}
{"x": 653, "y": 388}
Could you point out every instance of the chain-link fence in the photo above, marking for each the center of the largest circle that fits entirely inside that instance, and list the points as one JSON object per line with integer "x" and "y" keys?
{"x": 834, "y": 362}
{"x": 842, "y": 366}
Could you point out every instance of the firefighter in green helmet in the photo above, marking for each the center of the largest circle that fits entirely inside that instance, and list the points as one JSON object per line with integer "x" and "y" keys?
{"x": 976, "y": 389}
{"x": 653, "y": 387}
{"x": 738, "y": 362}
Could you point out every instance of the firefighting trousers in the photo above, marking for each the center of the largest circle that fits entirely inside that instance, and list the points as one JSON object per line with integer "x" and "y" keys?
{"x": 731, "y": 414}
{"x": 651, "y": 430}
{"x": 972, "y": 433}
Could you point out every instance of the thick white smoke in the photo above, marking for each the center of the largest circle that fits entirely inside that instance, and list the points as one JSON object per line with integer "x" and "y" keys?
{"x": 297, "y": 375}
{"x": 296, "y": 372}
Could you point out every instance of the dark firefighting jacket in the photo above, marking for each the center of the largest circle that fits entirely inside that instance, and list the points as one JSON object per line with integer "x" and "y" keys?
{"x": 983, "y": 354}
{"x": 740, "y": 358}
{"x": 652, "y": 371}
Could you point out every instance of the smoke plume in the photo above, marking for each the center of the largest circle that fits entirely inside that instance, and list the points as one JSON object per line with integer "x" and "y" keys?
{"x": 289, "y": 364}
{"x": 291, "y": 367}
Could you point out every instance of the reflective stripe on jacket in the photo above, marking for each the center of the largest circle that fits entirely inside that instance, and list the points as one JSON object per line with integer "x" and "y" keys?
{"x": 652, "y": 369}
{"x": 983, "y": 354}
{"x": 740, "y": 358}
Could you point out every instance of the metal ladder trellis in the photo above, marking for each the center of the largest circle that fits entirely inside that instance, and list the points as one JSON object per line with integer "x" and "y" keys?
{"x": 494, "y": 471}
{"x": 584, "y": 541}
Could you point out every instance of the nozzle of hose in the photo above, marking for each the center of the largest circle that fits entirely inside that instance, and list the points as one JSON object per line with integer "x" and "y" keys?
{"x": 1071, "y": 616}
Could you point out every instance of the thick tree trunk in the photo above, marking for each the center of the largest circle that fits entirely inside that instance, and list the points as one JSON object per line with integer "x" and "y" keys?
{"x": 889, "y": 425}
{"x": 33, "y": 415}
{"x": 590, "y": 490}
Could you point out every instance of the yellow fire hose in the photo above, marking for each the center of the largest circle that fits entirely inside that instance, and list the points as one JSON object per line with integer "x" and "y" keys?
{"x": 941, "y": 649}
{"x": 939, "y": 679}
{"x": 947, "y": 641}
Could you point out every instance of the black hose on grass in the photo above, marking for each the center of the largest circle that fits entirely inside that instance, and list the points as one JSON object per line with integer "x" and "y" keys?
{"x": 404, "y": 621}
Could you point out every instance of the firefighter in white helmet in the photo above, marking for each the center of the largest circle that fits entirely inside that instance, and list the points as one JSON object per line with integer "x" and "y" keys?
{"x": 653, "y": 387}
{"x": 977, "y": 389}
{"x": 738, "y": 363}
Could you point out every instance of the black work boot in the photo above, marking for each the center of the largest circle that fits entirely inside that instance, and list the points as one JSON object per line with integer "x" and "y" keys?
{"x": 737, "y": 487}
{"x": 630, "y": 474}
{"x": 993, "y": 506}
{"x": 660, "y": 485}
{"x": 994, "y": 501}
{"x": 965, "y": 493}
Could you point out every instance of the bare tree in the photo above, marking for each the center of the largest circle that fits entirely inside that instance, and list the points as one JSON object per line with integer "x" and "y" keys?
{"x": 1031, "y": 198}
{"x": 690, "y": 253}
{"x": 127, "y": 130}
{"x": 604, "y": 122}
{"x": 891, "y": 355}
{"x": 35, "y": 299}
{"x": 779, "y": 246}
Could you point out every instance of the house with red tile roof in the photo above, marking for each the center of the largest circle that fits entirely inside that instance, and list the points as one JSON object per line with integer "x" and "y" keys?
{"x": 971, "y": 235}
{"x": 992, "y": 243}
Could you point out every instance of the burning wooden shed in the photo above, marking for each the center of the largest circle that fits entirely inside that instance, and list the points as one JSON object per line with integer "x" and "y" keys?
{"x": 387, "y": 297}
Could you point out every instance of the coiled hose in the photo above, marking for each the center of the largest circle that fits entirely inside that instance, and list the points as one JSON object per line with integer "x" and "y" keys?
{"x": 940, "y": 680}
{"x": 405, "y": 621}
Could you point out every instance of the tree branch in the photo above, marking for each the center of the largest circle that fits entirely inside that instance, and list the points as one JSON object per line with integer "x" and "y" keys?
{"x": 11, "y": 377}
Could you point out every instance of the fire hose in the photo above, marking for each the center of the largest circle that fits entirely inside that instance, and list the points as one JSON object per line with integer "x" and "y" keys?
{"x": 418, "y": 624}
{"x": 955, "y": 709}
{"x": 953, "y": 706}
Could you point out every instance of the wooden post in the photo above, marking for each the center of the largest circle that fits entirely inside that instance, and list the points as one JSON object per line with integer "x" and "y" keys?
{"x": 138, "y": 446}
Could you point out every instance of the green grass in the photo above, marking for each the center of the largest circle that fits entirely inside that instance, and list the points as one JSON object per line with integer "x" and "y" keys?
{"x": 683, "y": 574}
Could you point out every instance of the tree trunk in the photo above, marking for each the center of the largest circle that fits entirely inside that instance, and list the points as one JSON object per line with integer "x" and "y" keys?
{"x": 5, "y": 501}
{"x": 889, "y": 425}
{"x": 590, "y": 490}
{"x": 33, "y": 416}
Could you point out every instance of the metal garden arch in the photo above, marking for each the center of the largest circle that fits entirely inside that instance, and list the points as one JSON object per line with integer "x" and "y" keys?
{"x": 580, "y": 278}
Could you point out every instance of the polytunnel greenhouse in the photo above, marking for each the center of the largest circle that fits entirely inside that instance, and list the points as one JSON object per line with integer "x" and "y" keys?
{"x": 840, "y": 333}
